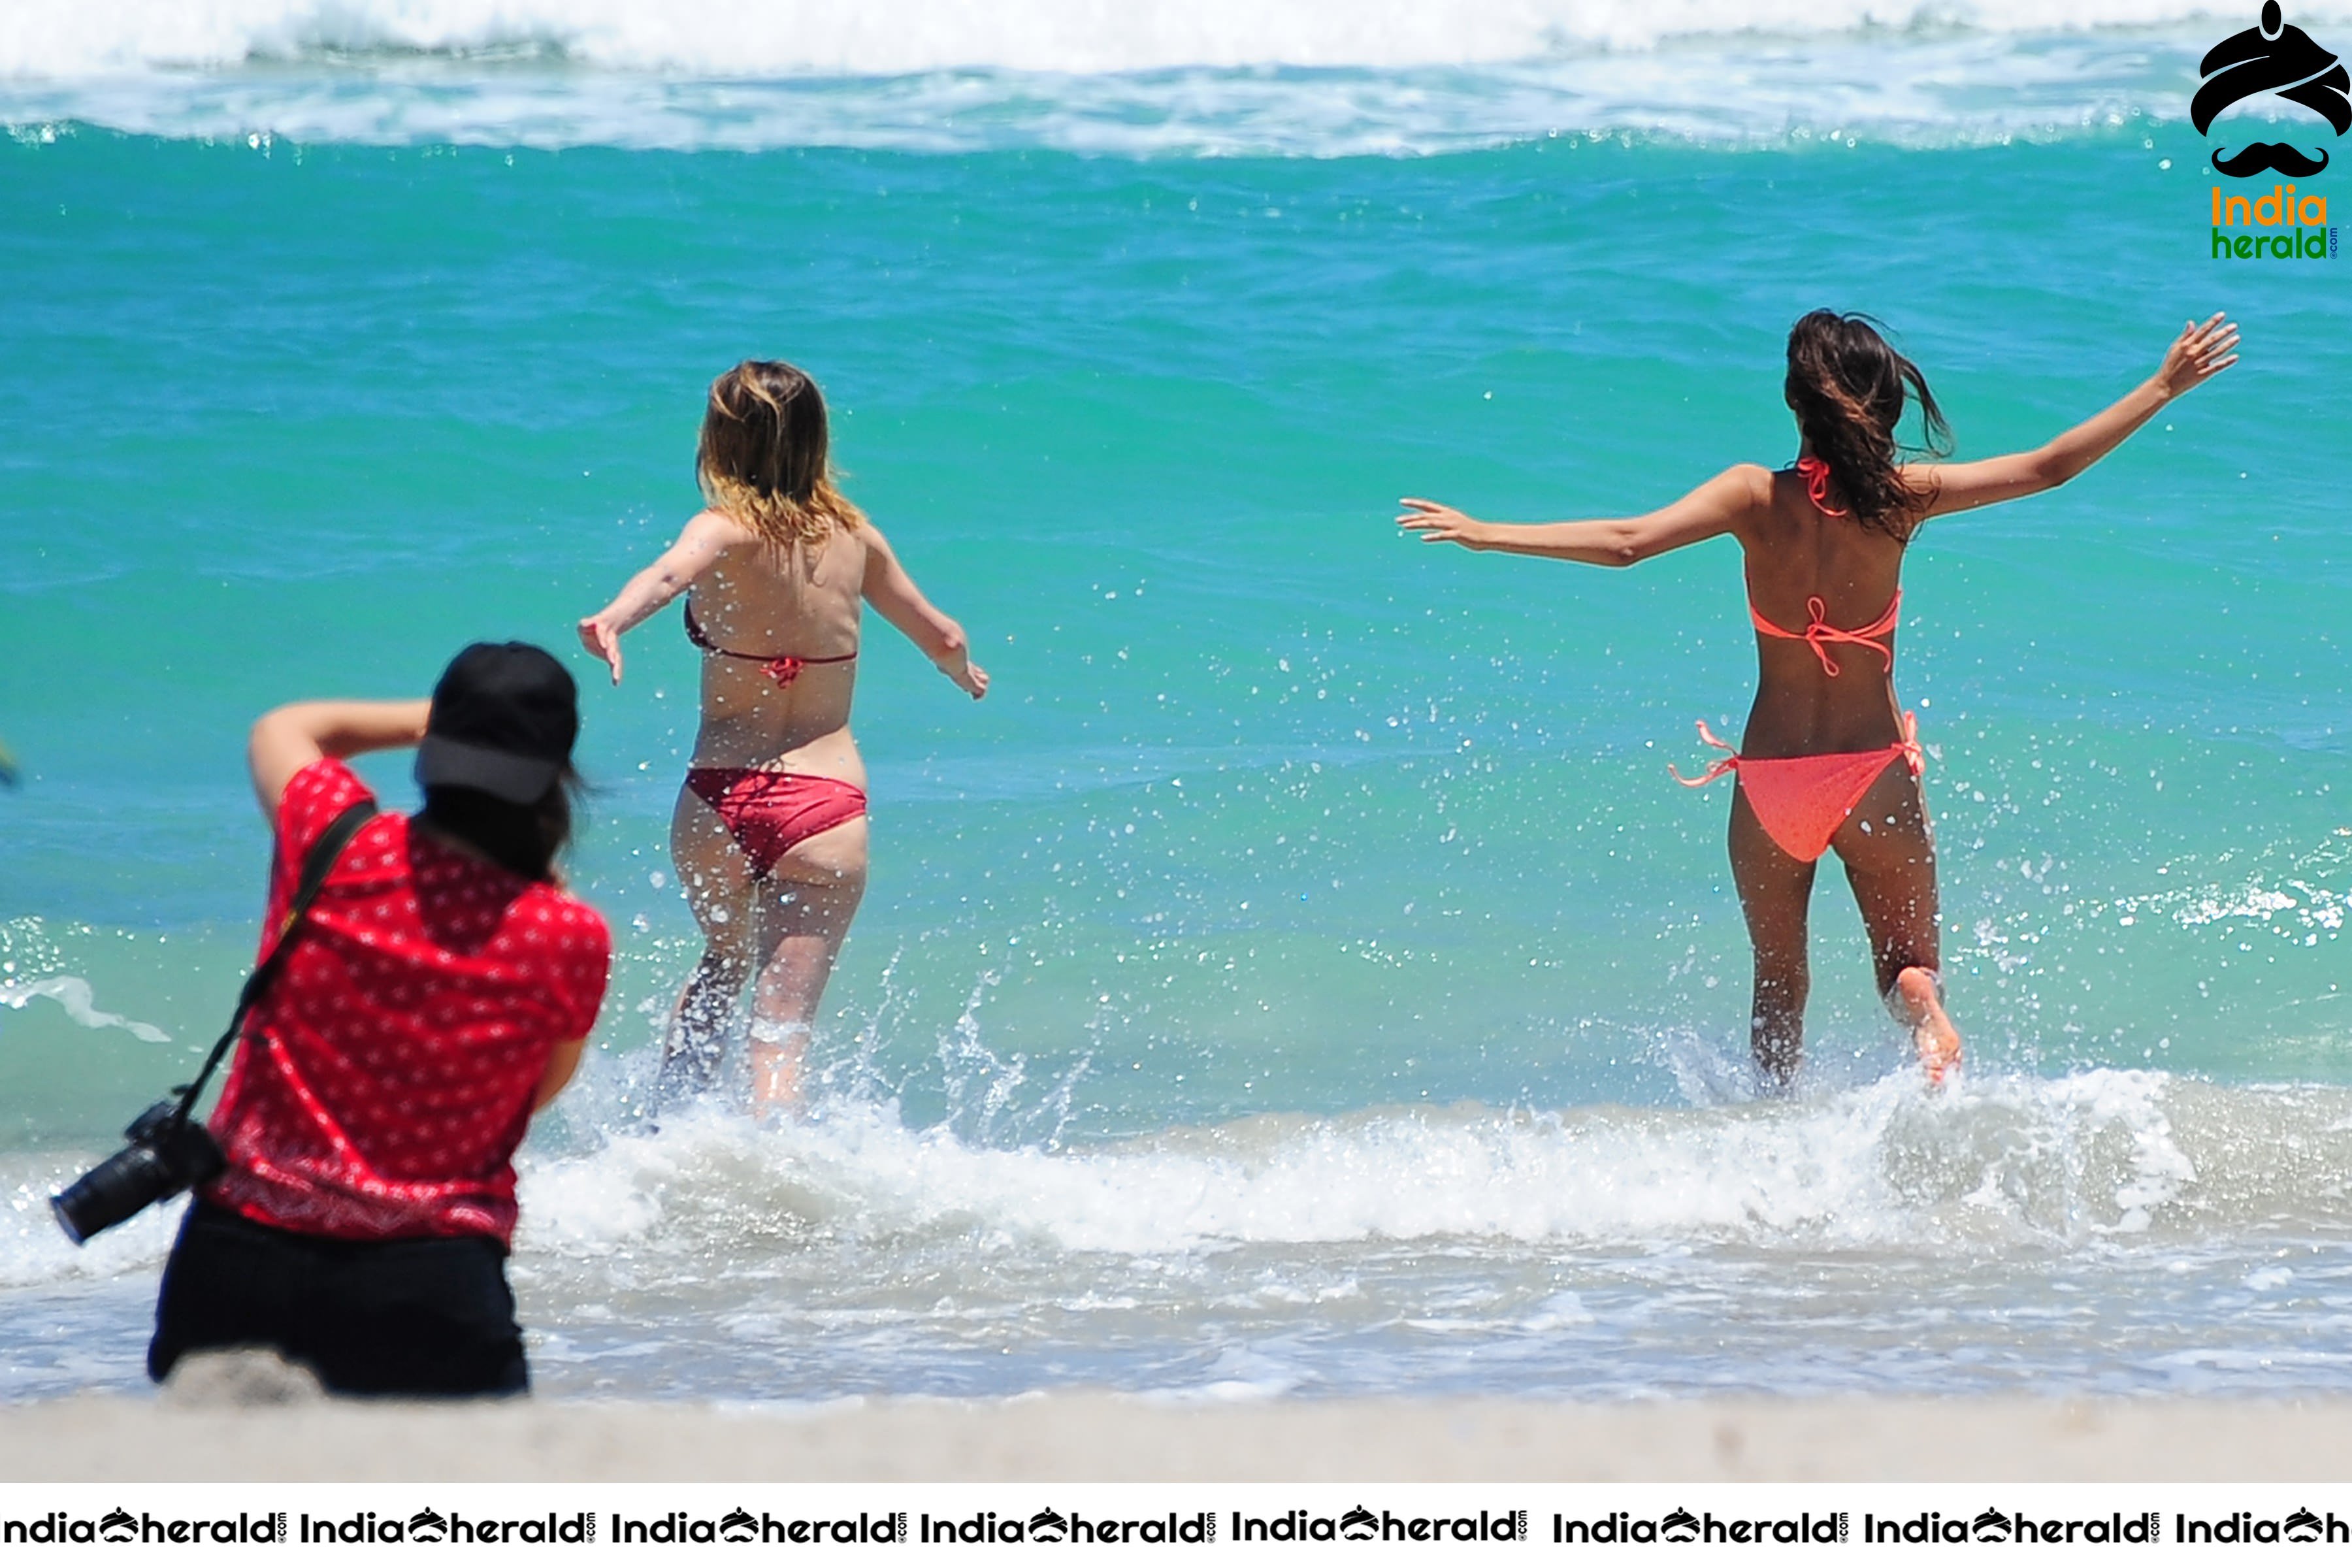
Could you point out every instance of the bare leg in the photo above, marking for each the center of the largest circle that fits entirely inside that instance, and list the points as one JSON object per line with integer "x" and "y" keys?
{"x": 1890, "y": 861}
{"x": 806, "y": 903}
{"x": 717, "y": 881}
{"x": 1775, "y": 890}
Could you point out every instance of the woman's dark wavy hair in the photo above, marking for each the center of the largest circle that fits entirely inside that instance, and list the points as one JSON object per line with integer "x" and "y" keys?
{"x": 525, "y": 839}
{"x": 1846, "y": 386}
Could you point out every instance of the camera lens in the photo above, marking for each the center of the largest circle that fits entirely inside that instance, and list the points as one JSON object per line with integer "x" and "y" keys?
{"x": 113, "y": 1191}
{"x": 166, "y": 1155}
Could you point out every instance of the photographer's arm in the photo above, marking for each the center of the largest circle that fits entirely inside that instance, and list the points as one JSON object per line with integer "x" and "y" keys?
{"x": 562, "y": 1063}
{"x": 287, "y": 739}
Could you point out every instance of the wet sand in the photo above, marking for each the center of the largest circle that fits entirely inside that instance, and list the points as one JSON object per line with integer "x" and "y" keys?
{"x": 1089, "y": 1436}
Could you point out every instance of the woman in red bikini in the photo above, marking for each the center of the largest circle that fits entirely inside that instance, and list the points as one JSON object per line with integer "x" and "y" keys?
{"x": 1823, "y": 540}
{"x": 769, "y": 835}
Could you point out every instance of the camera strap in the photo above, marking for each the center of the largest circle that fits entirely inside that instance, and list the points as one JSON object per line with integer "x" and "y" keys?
{"x": 315, "y": 866}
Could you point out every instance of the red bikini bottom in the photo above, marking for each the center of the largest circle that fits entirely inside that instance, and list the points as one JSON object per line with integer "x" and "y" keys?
{"x": 1802, "y": 802}
{"x": 768, "y": 813}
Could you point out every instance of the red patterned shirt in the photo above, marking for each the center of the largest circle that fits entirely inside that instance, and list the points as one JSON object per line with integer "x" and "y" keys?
{"x": 384, "y": 1081}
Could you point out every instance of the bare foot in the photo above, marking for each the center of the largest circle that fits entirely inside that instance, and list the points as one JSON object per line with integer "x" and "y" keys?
{"x": 1932, "y": 1035}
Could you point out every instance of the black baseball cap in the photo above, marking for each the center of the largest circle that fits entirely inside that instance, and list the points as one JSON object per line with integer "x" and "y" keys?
{"x": 503, "y": 720}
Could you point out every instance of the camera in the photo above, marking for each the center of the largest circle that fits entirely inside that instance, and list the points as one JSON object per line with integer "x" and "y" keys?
{"x": 168, "y": 1154}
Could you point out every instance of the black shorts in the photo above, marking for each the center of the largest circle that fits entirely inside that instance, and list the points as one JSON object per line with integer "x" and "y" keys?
{"x": 430, "y": 1318}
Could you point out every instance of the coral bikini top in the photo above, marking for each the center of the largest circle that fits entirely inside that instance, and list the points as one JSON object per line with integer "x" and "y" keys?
{"x": 1819, "y": 634}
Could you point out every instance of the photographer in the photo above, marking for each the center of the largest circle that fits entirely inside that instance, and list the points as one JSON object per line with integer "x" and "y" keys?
{"x": 438, "y": 993}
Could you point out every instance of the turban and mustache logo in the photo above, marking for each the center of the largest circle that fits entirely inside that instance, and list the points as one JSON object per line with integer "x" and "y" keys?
{"x": 2274, "y": 58}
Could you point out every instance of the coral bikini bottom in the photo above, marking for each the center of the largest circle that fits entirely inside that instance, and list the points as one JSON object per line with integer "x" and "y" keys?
{"x": 1802, "y": 802}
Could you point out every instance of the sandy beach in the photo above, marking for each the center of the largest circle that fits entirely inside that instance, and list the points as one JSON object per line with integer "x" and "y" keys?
{"x": 1091, "y": 1436}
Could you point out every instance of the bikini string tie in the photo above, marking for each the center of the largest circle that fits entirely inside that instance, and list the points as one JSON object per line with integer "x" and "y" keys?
{"x": 1816, "y": 474}
{"x": 1725, "y": 765}
{"x": 1819, "y": 634}
{"x": 1914, "y": 757}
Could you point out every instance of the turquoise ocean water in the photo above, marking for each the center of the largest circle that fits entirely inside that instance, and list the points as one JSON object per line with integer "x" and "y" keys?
{"x": 1300, "y": 976}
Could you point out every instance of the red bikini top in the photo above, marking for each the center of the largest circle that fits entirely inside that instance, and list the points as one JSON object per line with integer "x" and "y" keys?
{"x": 781, "y": 668}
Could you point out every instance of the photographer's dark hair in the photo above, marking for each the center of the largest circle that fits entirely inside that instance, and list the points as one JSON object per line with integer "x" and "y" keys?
{"x": 526, "y": 839}
{"x": 1846, "y": 386}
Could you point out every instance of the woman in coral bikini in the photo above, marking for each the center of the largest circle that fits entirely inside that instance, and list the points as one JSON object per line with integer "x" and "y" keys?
{"x": 769, "y": 835}
{"x": 1823, "y": 540}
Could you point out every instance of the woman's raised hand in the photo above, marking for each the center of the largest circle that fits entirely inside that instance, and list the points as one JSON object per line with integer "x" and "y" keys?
{"x": 2202, "y": 351}
{"x": 597, "y": 636}
{"x": 1440, "y": 524}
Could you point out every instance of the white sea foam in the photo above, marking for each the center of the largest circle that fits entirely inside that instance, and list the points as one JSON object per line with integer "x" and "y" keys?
{"x": 2061, "y": 1161}
{"x": 73, "y": 994}
{"x": 1862, "y": 1237}
{"x": 1313, "y": 77}
{"x": 741, "y": 38}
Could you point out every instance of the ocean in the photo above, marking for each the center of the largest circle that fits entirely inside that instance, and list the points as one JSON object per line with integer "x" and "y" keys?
{"x": 1300, "y": 977}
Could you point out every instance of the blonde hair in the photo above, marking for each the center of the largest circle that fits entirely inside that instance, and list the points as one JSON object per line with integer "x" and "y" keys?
{"x": 763, "y": 458}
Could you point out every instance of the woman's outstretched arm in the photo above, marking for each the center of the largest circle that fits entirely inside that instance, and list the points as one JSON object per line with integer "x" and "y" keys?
{"x": 2200, "y": 352}
{"x": 1719, "y": 506}
{"x": 706, "y": 538}
{"x": 894, "y": 597}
